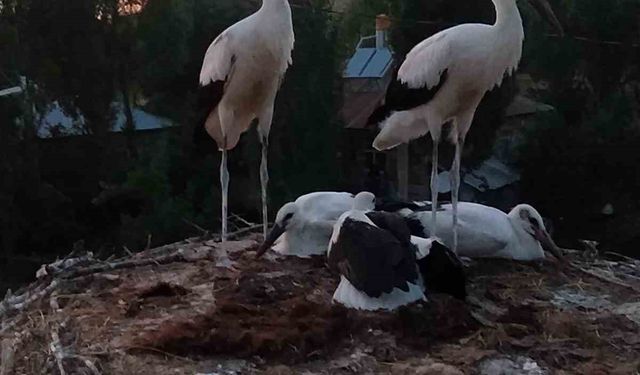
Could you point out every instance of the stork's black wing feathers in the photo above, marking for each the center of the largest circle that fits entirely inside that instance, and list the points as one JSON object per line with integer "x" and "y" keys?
{"x": 393, "y": 223}
{"x": 395, "y": 206}
{"x": 443, "y": 272}
{"x": 372, "y": 259}
{"x": 401, "y": 98}
{"x": 209, "y": 97}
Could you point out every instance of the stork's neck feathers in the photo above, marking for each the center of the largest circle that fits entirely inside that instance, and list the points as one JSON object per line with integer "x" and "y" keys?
{"x": 527, "y": 246}
{"x": 507, "y": 14}
{"x": 274, "y": 4}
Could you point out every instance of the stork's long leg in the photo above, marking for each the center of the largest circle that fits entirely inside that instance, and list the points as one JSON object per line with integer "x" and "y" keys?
{"x": 434, "y": 187}
{"x": 455, "y": 188}
{"x": 264, "y": 182}
{"x": 224, "y": 183}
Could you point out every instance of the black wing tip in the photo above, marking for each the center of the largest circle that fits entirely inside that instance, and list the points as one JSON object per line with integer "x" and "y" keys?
{"x": 209, "y": 96}
{"x": 401, "y": 97}
{"x": 443, "y": 272}
{"x": 395, "y": 206}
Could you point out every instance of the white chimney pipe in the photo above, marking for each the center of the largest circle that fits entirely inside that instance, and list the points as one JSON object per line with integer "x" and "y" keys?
{"x": 382, "y": 25}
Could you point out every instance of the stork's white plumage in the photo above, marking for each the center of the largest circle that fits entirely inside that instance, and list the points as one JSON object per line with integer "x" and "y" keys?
{"x": 303, "y": 228}
{"x": 486, "y": 232}
{"x": 451, "y": 71}
{"x": 244, "y": 67}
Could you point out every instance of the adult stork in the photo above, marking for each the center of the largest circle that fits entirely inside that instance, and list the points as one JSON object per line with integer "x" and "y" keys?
{"x": 444, "y": 78}
{"x": 382, "y": 266}
{"x": 303, "y": 228}
{"x": 242, "y": 72}
{"x": 485, "y": 232}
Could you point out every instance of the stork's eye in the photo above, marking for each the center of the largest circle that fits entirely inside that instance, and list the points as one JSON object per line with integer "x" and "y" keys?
{"x": 288, "y": 217}
{"x": 535, "y": 223}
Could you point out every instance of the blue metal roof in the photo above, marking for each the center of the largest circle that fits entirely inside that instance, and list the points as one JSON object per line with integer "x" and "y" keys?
{"x": 65, "y": 125}
{"x": 368, "y": 62}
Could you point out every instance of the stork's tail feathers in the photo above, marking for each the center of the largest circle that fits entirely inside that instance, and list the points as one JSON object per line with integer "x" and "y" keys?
{"x": 401, "y": 127}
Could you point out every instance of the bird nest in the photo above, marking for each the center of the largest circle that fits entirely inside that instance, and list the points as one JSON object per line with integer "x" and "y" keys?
{"x": 190, "y": 308}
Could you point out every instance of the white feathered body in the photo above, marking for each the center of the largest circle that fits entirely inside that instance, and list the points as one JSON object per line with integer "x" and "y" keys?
{"x": 483, "y": 232}
{"x": 310, "y": 232}
{"x": 251, "y": 57}
{"x": 476, "y": 58}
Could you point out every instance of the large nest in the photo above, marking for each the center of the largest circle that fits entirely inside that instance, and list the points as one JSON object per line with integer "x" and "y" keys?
{"x": 188, "y": 308}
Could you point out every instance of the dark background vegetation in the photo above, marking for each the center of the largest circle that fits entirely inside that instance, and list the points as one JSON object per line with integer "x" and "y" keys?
{"x": 137, "y": 190}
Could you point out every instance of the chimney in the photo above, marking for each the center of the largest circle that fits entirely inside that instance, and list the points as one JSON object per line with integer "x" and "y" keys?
{"x": 383, "y": 22}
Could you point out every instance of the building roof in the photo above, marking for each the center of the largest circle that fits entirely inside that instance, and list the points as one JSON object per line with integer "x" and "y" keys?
{"x": 367, "y": 75}
{"x": 369, "y": 62}
{"x": 490, "y": 175}
{"x": 56, "y": 123}
{"x": 522, "y": 106}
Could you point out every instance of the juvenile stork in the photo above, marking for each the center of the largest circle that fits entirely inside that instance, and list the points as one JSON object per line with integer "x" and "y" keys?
{"x": 242, "y": 72}
{"x": 383, "y": 267}
{"x": 484, "y": 232}
{"x": 303, "y": 228}
{"x": 444, "y": 78}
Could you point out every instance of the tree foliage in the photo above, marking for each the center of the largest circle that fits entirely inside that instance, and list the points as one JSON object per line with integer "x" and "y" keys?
{"x": 585, "y": 156}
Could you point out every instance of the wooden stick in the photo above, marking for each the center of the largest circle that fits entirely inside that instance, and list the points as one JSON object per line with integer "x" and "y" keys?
{"x": 31, "y": 298}
{"x": 61, "y": 266}
{"x": 56, "y": 349}
{"x": 604, "y": 278}
{"x": 244, "y": 231}
{"x": 245, "y": 222}
{"x": 135, "y": 263}
{"x": 196, "y": 226}
{"x": 624, "y": 257}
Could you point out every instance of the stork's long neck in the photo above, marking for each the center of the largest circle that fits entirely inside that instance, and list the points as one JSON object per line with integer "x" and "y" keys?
{"x": 527, "y": 247}
{"x": 274, "y": 5}
{"x": 507, "y": 14}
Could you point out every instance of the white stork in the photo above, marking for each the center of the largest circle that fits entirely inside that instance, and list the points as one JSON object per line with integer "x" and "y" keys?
{"x": 382, "y": 266}
{"x": 303, "y": 228}
{"x": 484, "y": 232}
{"x": 243, "y": 69}
{"x": 444, "y": 79}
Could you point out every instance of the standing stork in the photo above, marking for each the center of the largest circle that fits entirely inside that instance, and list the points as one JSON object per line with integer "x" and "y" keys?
{"x": 242, "y": 72}
{"x": 444, "y": 78}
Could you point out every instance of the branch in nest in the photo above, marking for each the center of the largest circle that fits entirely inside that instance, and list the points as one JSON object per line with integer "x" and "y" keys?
{"x": 178, "y": 256}
{"x": 8, "y": 326}
{"x": 60, "y": 354}
{"x": 244, "y": 231}
{"x": 243, "y": 221}
{"x": 56, "y": 349}
{"x": 63, "y": 265}
{"x": 30, "y": 297}
{"x": 196, "y": 226}
{"x": 604, "y": 278}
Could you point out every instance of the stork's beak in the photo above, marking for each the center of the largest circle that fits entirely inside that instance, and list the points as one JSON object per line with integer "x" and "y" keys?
{"x": 544, "y": 9}
{"x": 548, "y": 244}
{"x": 275, "y": 233}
